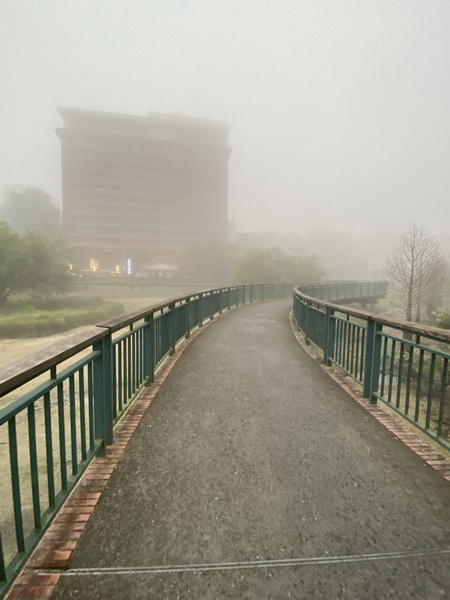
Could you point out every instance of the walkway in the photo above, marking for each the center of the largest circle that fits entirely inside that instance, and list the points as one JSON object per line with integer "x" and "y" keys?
{"x": 251, "y": 453}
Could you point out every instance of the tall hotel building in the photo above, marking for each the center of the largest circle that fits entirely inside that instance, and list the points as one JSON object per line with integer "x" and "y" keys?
{"x": 141, "y": 188}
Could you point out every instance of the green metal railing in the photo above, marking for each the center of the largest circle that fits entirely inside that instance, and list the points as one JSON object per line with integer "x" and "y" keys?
{"x": 402, "y": 364}
{"x": 60, "y": 406}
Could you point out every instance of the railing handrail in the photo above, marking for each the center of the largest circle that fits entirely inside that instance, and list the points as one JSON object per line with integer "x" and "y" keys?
{"x": 429, "y": 331}
{"x": 17, "y": 372}
{"x": 22, "y": 370}
{"x": 124, "y": 320}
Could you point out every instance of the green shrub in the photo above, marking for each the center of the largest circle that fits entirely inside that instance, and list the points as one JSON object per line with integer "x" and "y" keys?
{"x": 21, "y": 319}
{"x": 443, "y": 318}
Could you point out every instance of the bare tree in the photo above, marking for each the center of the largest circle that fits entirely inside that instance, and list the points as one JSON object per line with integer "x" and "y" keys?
{"x": 418, "y": 272}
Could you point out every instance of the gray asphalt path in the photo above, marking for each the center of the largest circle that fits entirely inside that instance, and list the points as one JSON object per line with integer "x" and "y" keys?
{"x": 251, "y": 453}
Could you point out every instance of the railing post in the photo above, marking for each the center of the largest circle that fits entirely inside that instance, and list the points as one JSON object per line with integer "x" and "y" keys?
{"x": 172, "y": 328}
{"x": 251, "y": 294}
{"x": 200, "y": 311}
{"x": 149, "y": 362}
{"x": 2, "y": 564}
{"x": 103, "y": 414}
{"x": 189, "y": 318}
{"x": 262, "y": 292}
{"x": 330, "y": 337}
{"x": 300, "y": 314}
{"x": 372, "y": 360}
{"x": 306, "y": 322}
{"x": 211, "y": 301}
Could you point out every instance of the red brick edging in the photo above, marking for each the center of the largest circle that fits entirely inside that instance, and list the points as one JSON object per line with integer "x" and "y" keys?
{"x": 436, "y": 460}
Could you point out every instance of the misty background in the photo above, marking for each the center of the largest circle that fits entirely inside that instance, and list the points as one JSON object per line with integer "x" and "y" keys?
{"x": 339, "y": 110}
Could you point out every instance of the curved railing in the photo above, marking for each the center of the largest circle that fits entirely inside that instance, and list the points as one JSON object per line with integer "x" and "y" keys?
{"x": 60, "y": 405}
{"x": 402, "y": 364}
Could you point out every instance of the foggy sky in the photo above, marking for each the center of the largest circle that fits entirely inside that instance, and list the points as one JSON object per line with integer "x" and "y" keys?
{"x": 338, "y": 109}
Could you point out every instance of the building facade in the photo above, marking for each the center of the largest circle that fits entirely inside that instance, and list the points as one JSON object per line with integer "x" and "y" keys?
{"x": 140, "y": 189}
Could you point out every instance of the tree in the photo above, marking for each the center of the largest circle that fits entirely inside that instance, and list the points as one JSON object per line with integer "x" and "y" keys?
{"x": 32, "y": 263}
{"x": 11, "y": 263}
{"x": 271, "y": 265}
{"x": 31, "y": 209}
{"x": 418, "y": 272}
{"x": 209, "y": 261}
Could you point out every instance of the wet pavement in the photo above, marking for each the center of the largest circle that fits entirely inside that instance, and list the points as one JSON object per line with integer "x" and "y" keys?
{"x": 254, "y": 464}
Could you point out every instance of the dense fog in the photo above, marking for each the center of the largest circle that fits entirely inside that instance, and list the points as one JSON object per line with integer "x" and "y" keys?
{"x": 338, "y": 111}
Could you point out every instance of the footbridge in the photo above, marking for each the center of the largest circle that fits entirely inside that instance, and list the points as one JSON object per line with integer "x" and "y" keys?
{"x": 295, "y": 447}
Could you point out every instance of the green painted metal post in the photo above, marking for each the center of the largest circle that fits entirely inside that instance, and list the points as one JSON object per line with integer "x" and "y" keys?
{"x": 262, "y": 293}
{"x": 149, "y": 361}
{"x": 372, "y": 360}
{"x": 200, "y": 310}
{"x": 15, "y": 484}
{"x": 108, "y": 387}
{"x": 251, "y": 294}
{"x": 172, "y": 328}
{"x": 103, "y": 413}
{"x": 34, "y": 466}
{"x": 189, "y": 318}
{"x": 299, "y": 314}
{"x": 330, "y": 337}
{"x": 2, "y": 564}
{"x": 211, "y": 300}
{"x": 306, "y": 321}
{"x": 99, "y": 404}
{"x": 205, "y": 307}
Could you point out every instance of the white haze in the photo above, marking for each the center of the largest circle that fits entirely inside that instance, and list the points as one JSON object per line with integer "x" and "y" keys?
{"x": 339, "y": 110}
